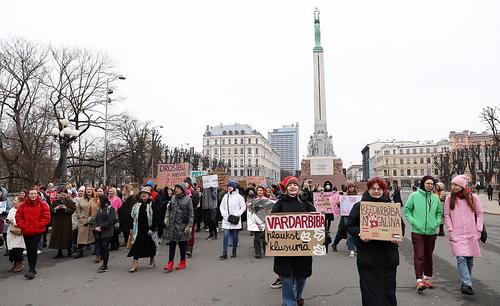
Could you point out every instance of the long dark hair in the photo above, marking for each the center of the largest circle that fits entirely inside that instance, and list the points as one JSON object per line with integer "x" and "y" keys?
{"x": 103, "y": 201}
{"x": 464, "y": 193}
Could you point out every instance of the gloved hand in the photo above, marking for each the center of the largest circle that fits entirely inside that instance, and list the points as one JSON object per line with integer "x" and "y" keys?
{"x": 150, "y": 232}
{"x": 188, "y": 230}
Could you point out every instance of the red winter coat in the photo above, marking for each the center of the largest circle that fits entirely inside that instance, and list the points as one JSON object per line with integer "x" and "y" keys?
{"x": 33, "y": 216}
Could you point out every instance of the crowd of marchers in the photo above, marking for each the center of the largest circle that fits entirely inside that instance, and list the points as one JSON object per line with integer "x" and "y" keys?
{"x": 103, "y": 219}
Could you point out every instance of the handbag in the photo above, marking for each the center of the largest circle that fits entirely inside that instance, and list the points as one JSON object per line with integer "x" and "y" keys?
{"x": 232, "y": 218}
{"x": 129, "y": 241}
{"x": 484, "y": 233}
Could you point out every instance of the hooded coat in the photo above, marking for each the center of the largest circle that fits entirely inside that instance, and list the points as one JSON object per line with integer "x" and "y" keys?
{"x": 424, "y": 212}
{"x": 232, "y": 204}
{"x": 61, "y": 235}
{"x": 32, "y": 216}
{"x": 178, "y": 216}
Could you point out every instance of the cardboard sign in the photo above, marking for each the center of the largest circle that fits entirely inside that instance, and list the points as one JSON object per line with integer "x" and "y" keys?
{"x": 295, "y": 234}
{"x": 347, "y": 202}
{"x": 223, "y": 178}
{"x": 194, "y": 174}
{"x": 380, "y": 221}
{"x": 171, "y": 174}
{"x": 257, "y": 180}
{"x": 243, "y": 184}
{"x": 326, "y": 202}
{"x": 210, "y": 181}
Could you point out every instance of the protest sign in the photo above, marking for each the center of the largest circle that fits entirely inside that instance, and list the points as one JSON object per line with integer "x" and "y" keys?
{"x": 195, "y": 173}
{"x": 326, "y": 202}
{"x": 210, "y": 181}
{"x": 380, "y": 221}
{"x": 295, "y": 234}
{"x": 171, "y": 174}
{"x": 257, "y": 180}
{"x": 243, "y": 184}
{"x": 346, "y": 203}
{"x": 223, "y": 178}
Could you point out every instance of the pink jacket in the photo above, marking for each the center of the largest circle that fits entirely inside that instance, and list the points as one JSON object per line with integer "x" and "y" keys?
{"x": 464, "y": 230}
{"x": 116, "y": 202}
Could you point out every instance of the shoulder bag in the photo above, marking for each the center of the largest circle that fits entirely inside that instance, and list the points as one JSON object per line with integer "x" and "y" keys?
{"x": 232, "y": 218}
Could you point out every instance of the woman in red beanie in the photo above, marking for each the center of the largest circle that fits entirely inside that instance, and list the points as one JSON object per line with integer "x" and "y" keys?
{"x": 293, "y": 270}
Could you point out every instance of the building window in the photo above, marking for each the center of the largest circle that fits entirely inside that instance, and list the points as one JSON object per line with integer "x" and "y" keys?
{"x": 256, "y": 150}
{"x": 215, "y": 152}
{"x": 408, "y": 172}
{"x": 401, "y": 161}
{"x": 230, "y": 133}
{"x": 421, "y": 160}
{"x": 394, "y": 152}
{"x": 235, "y": 172}
{"x": 386, "y": 152}
{"x": 414, "y": 151}
{"x": 407, "y": 151}
{"x": 395, "y": 172}
{"x": 415, "y": 172}
{"x": 249, "y": 140}
{"x": 249, "y": 150}
{"x": 421, "y": 150}
{"x": 242, "y": 151}
{"x": 428, "y": 160}
{"x": 400, "y": 151}
{"x": 241, "y": 171}
{"x": 241, "y": 162}
{"x": 402, "y": 172}
{"x": 236, "y": 133}
{"x": 224, "y": 133}
{"x": 235, "y": 162}
{"x": 223, "y": 141}
{"x": 436, "y": 172}
{"x": 249, "y": 163}
{"x": 256, "y": 162}
{"x": 434, "y": 150}
{"x": 229, "y": 141}
{"x": 422, "y": 172}
{"x": 222, "y": 151}
{"x": 216, "y": 142}
{"x": 385, "y": 172}
{"x": 241, "y": 140}
{"x": 428, "y": 150}
{"x": 407, "y": 161}
{"x": 414, "y": 161}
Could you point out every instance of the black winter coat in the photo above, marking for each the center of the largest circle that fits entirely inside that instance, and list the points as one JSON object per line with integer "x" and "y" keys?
{"x": 105, "y": 218}
{"x": 300, "y": 266}
{"x": 372, "y": 253}
{"x": 124, "y": 213}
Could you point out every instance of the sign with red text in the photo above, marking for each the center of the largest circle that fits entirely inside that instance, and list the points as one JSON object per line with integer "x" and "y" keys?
{"x": 380, "y": 221}
{"x": 347, "y": 202}
{"x": 295, "y": 234}
{"x": 171, "y": 174}
{"x": 326, "y": 202}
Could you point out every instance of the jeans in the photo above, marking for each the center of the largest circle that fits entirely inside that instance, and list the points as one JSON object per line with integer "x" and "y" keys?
{"x": 98, "y": 247}
{"x": 31, "y": 248}
{"x": 234, "y": 238}
{"x": 351, "y": 246}
{"x": 465, "y": 269}
{"x": 291, "y": 289}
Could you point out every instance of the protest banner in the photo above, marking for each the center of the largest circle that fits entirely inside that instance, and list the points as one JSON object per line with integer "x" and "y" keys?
{"x": 196, "y": 173}
{"x": 295, "y": 234}
{"x": 380, "y": 221}
{"x": 223, "y": 178}
{"x": 346, "y": 203}
{"x": 326, "y": 202}
{"x": 210, "y": 181}
{"x": 257, "y": 180}
{"x": 171, "y": 174}
{"x": 243, "y": 184}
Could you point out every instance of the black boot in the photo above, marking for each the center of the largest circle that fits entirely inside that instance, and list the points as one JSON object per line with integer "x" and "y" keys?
{"x": 59, "y": 254}
{"x": 69, "y": 253}
{"x": 441, "y": 230}
{"x": 79, "y": 253}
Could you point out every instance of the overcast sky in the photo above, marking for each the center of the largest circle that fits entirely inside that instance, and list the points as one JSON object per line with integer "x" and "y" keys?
{"x": 410, "y": 70}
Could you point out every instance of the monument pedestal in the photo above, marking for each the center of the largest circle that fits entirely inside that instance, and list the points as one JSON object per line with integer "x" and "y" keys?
{"x": 323, "y": 168}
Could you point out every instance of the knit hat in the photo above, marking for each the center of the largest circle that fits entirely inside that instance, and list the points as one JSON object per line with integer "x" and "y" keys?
{"x": 231, "y": 184}
{"x": 440, "y": 185}
{"x": 287, "y": 181}
{"x": 145, "y": 190}
{"x": 460, "y": 180}
{"x": 181, "y": 186}
{"x": 82, "y": 188}
{"x": 150, "y": 183}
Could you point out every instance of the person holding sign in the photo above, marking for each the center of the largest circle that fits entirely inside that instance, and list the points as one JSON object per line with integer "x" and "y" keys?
{"x": 341, "y": 230}
{"x": 232, "y": 207}
{"x": 464, "y": 219}
{"x": 293, "y": 270}
{"x": 423, "y": 211}
{"x": 377, "y": 261}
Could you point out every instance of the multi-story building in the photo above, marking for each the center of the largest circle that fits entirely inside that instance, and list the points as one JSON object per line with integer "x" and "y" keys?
{"x": 285, "y": 141}
{"x": 368, "y": 153}
{"x": 404, "y": 163}
{"x": 243, "y": 149}
{"x": 355, "y": 173}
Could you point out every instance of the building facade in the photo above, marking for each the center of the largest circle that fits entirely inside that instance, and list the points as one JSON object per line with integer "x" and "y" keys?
{"x": 355, "y": 173}
{"x": 285, "y": 141}
{"x": 243, "y": 149}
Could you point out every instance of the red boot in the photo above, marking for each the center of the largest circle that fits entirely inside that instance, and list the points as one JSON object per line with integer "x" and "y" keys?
{"x": 182, "y": 265}
{"x": 169, "y": 267}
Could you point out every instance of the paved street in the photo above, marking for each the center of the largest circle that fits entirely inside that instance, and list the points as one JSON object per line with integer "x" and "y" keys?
{"x": 241, "y": 281}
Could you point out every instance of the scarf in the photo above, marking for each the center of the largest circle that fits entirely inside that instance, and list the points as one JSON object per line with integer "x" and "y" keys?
{"x": 135, "y": 216}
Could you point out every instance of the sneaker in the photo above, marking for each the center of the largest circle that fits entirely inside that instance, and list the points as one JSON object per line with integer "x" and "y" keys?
{"x": 102, "y": 269}
{"x": 207, "y": 230}
{"x": 38, "y": 252}
{"x": 467, "y": 290}
{"x": 233, "y": 255}
{"x": 210, "y": 238}
{"x": 351, "y": 254}
{"x": 276, "y": 284}
{"x": 421, "y": 286}
{"x": 300, "y": 302}
{"x": 428, "y": 283}
{"x": 223, "y": 257}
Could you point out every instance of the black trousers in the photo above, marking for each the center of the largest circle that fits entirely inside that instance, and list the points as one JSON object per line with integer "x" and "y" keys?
{"x": 210, "y": 215}
{"x": 115, "y": 242}
{"x": 31, "y": 248}
{"x": 16, "y": 255}
{"x": 258, "y": 243}
{"x": 378, "y": 285}
{"x": 127, "y": 233}
{"x": 182, "y": 248}
{"x": 105, "y": 250}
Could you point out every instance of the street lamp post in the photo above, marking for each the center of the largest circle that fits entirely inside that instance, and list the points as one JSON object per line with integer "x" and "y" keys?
{"x": 66, "y": 135}
{"x": 108, "y": 92}
{"x": 153, "y": 175}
